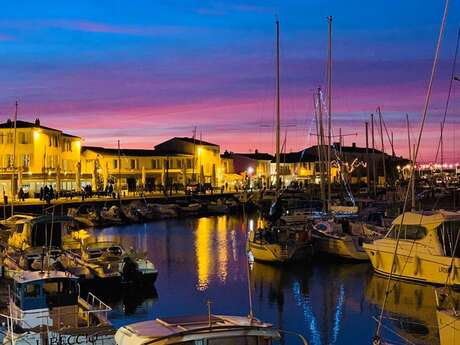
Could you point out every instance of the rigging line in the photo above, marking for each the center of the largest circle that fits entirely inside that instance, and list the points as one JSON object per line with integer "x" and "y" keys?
{"x": 415, "y": 155}
{"x": 446, "y": 108}
{"x": 388, "y": 135}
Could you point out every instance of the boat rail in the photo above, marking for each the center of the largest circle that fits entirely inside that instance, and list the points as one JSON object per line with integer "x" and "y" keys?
{"x": 97, "y": 307}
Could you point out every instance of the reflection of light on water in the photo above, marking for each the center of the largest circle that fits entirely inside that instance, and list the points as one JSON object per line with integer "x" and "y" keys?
{"x": 338, "y": 314}
{"x": 310, "y": 319}
{"x": 222, "y": 254}
{"x": 234, "y": 252}
{"x": 203, "y": 252}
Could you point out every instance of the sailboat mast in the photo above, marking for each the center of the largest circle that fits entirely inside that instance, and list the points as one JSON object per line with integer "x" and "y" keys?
{"x": 321, "y": 145}
{"x": 411, "y": 161}
{"x": 329, "y": 110}
{"x": 373, "y": 156}
{"x": 13, "y": 189}
{"x": 278, "y": 119}
{"x": 318, "y": 145}
{"x": 119, "y": 170}
{"x": 367, "y": 158}
{"x": 383, "y": 148}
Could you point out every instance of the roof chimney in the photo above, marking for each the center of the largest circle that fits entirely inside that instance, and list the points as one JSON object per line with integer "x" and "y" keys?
{"x": 256, "y": 151}
{"x": 353, "y": 145}
{"x": 37, "y": 122}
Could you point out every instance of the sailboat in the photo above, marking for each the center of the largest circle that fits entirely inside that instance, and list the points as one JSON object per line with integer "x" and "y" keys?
{"x": 274, "y": 241}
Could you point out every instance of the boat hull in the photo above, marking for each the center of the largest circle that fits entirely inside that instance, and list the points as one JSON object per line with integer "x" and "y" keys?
{"x": 449, "y": 327}
{"x": 274, "y": 253}
{"x": 341, "y": 247}
{"x": 433, "y": 269}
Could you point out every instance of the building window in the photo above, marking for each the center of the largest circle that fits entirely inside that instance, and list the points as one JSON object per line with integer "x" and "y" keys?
{"x": 24, "y": 138}
{"x": 67, "y": 145}
{"x": 115, "y": 163}
{"x": 134, "y": 163}
{"x": 9, "y": 138}
{"x": 189, "y": 164}
{"x": 156, "y": 164}
{"x": 25, "y": 160}
{"x": 9, "y": 161}
{"x": 179, "y": 163}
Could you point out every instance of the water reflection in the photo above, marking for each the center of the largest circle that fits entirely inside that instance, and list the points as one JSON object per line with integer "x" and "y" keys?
{"x": 328, "y": 302}
{"x": 411, "y": 308}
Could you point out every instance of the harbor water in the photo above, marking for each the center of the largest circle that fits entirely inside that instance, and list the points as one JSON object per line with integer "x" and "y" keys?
{"x": 327, "y": 301}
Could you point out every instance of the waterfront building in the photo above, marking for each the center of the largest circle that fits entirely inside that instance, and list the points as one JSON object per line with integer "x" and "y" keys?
{"x": 125, "y": 170}
{"x": 174, "y": 163}
{"x": 203, "y": 165}
{"x": 254, "y": 166}
{"x": 41, "y": 156}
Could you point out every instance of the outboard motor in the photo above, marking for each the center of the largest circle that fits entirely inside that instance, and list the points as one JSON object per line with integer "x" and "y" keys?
{"x": 130, "y": 272}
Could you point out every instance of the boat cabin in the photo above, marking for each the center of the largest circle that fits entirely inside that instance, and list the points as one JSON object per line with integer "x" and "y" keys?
{"x": 44, "y": 231}
{"x": 45, "y": 298}
{"x": 437, "y": 232}
{"x": 198, "y": 330}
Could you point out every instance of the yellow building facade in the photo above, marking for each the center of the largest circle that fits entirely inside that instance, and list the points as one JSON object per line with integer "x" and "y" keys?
{"x": 176, "y": 162}
{"x": 37, "y": 155}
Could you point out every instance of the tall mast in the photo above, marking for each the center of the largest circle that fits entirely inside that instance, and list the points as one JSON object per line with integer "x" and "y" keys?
{"x": 278, "y": 117}
{"x": 383, "y": 148}
{"x": 367, "y": 159}
{"x": 321, "y": 143}
{"x": 119, "y": 170}
{"x": 442, "y": 148}
{"x": 13, "y": 189}
{"x": 329, "y": 110}
{"x": 411, "y": 161}
{"x": 373, "y": 156}
{"x": 318, "y": 146}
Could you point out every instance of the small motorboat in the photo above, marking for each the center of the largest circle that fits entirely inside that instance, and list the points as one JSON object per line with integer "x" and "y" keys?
{"x": 190, "y": 209}
{"x": 217, "y": 207}
{"x": 163, "y": 211}
{"x": 202, "y": 329}
{"x": 110, "y": 261}
{"x": 47, "y": 305}
{"x": 111, "y": 215}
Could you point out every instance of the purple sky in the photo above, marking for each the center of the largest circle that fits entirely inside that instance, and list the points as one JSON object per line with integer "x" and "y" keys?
{"x": 142, "y": 72}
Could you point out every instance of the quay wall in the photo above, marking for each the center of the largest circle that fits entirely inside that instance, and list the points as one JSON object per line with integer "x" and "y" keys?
{"x": 61, "y": 206}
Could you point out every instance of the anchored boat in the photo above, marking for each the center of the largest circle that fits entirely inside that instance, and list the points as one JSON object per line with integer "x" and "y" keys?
{"x": 205, "y": 329}
{"x": 280, "y": 243}
{"x": 45, "y": 307}
{"x": 335, "y": 238}
{"x": 428, "y": 249}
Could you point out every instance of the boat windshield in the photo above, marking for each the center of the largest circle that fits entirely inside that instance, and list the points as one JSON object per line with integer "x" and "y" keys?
{"x": 408, "y": 232}
{"x": 448, "y": 234}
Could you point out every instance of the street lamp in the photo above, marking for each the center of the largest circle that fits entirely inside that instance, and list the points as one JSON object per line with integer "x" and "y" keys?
{"x": 250, "y": 172}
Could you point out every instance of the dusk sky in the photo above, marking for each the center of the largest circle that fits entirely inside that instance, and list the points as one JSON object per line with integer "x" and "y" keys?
{"x": 144, "y": 71}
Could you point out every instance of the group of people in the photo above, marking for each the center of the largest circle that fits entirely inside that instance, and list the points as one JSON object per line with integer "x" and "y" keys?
{"x": 47, "y": 193}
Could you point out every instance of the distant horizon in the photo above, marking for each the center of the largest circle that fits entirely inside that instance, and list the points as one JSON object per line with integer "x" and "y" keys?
{"x": 109, "y": 72}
